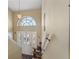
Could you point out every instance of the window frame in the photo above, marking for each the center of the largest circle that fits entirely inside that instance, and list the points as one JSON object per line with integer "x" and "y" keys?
{"x": 33, "y": 21}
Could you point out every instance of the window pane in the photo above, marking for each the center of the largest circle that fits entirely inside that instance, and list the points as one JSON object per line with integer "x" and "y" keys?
{"x": 26, "y": 21}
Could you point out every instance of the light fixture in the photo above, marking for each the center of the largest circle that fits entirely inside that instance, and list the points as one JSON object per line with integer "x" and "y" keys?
{"x": 19, "y": 16}
{"x": 19, "y": 13}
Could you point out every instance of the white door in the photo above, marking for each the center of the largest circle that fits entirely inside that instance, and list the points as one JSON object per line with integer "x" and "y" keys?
{"x": 27, "y": 41}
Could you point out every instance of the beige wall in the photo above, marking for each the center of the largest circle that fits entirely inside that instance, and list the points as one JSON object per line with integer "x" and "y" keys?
{"x": 57, "y": 23}
{"x": 14, "y": 52}
{"x": 10, "y": 20}
{"x": 34, "y": 13}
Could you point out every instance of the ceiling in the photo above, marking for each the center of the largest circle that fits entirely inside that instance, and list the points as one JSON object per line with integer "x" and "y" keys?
{"x": 24, "y": 4}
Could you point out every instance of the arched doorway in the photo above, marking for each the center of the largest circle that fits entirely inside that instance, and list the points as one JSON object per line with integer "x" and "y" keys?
{"x": 26, "y": 38}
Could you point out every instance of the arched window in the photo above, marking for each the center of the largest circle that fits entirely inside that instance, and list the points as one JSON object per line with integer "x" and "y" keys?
{"x": 26, "y": 21}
